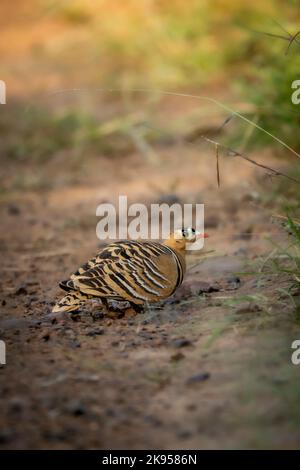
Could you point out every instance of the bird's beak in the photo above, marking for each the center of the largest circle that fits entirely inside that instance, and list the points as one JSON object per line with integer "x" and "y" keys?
{"x": 201, "y": 235}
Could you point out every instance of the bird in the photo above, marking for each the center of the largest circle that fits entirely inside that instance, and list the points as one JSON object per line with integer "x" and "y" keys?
{"x": 138, "y": 272}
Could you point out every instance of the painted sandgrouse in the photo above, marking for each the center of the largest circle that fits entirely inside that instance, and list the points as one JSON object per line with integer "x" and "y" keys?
{"x": 134, "y": 271}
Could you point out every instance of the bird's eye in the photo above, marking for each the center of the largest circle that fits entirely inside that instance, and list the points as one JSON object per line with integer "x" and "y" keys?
{"x": 183, "y": 232}
{"x": 193, "y": 230}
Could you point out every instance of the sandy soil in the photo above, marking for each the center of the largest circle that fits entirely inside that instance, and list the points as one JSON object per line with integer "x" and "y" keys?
{"x": 208, "y": 368}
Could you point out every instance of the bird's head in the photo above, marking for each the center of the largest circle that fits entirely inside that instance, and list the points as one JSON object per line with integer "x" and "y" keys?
{"x": 180, "y": 238}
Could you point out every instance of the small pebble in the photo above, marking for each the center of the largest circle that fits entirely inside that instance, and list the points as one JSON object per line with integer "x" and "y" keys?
{"x": 177, "y": 357}
{"x": 21, "y": 290}
{"x": 95, "y": 332}
{"x": 234, "y": 282}
{"x": 198, "y": 378}
{"x": 13, "y": 209}
{"x": 76, "y": 408}
{"x": 180, "y": 343}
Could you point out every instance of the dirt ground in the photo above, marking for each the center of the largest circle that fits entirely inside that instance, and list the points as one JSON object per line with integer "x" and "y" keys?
{"x": 208, "y": 368}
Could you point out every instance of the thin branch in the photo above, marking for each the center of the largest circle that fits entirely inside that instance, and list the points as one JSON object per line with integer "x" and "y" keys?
{"x": 234, "y": 153}
{"x": 289, "y": 37}
{"x": 218, "y": 168}
{"x": 227, "y": 120}
{"x": 293, "y": 39}
{"x": 284, "y": 30}
{"x": 272, "y": 35}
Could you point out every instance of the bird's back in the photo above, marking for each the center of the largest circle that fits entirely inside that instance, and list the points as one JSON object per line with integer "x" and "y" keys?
{"x": 130, "y": 270}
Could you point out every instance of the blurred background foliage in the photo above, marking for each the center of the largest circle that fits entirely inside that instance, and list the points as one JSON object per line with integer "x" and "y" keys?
{"x": 160, "y": 43}
{"x": 218, "y": 49}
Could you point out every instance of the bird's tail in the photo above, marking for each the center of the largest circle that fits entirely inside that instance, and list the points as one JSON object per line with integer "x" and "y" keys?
{"x": 70, "y": 302}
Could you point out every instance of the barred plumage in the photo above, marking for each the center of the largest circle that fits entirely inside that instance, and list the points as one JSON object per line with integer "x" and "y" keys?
{"x": 133, "y": 271}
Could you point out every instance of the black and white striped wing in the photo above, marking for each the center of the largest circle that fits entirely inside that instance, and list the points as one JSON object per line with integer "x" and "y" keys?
{"x": 112, "y": 251}
{"x": 140, "y": 272}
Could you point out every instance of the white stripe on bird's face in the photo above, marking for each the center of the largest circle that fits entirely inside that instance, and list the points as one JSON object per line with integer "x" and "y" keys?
{"x": 189, "y": 234}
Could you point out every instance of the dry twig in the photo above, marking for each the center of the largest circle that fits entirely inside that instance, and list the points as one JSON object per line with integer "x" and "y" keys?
{"x": 234, "y": 153}
{"x": 289, "y": 37}
{"x": 218, "y": 168}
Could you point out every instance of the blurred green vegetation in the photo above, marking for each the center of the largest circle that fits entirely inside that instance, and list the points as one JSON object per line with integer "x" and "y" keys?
{"x": 157, "y": 44}
{"x": 268, "y": 87}
{"x": 160, "y": 43}
{"x": 38, "y": 139}
{"x": 36, "y": 134}
{"x": 285, "y": 259}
